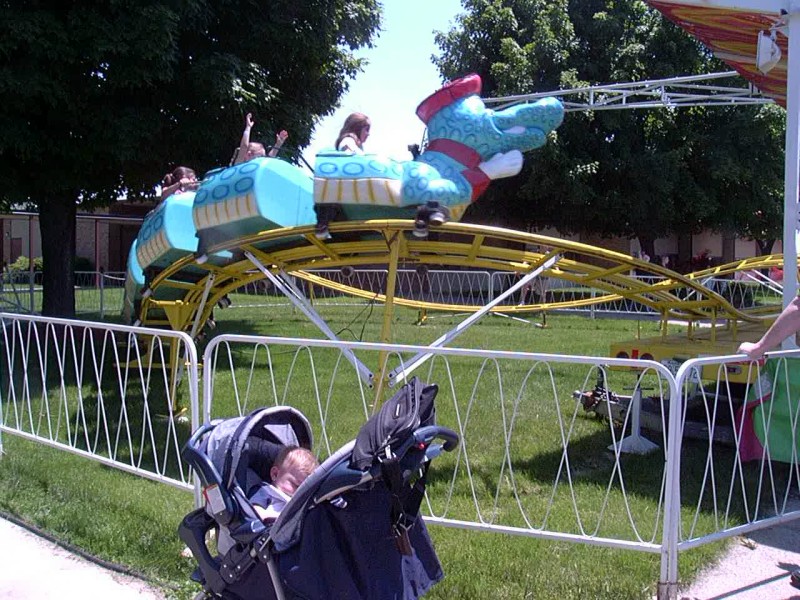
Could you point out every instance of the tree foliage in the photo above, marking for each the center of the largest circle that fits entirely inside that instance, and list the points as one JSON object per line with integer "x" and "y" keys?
{"x": 101, "y": 98}
{"x": 745, "y": 156}
{"x": 645, "y": 173}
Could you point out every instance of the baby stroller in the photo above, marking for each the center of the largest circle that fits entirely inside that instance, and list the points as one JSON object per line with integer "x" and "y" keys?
{"x": 352, "y": 529}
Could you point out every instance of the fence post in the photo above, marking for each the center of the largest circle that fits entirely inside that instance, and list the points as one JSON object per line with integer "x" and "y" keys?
{"x": 102, "y": 288}
{"x": 31, "y": 278}
{"x": 668, "y": 582}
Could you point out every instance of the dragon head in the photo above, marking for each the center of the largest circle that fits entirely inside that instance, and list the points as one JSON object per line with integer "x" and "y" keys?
{"x": 456, "y": 112}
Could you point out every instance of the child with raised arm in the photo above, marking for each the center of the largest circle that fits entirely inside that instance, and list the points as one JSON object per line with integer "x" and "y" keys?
{"x": 291, "y": 468}
{"x": 249, "y": 150}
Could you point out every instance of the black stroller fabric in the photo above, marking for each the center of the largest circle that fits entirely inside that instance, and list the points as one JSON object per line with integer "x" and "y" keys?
{"x": 411, "y": 407}
{"x": 346, "y": 549}
{"x": 350, "y": 553}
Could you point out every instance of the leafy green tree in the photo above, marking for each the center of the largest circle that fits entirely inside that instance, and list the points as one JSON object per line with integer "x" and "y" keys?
{"x": 642, "y": 173}
{"x": 746, "y": 152}
{"x": 102, "y": 98}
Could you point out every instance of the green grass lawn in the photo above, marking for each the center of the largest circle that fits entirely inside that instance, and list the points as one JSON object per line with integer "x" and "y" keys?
{"x": 125, "y": 519}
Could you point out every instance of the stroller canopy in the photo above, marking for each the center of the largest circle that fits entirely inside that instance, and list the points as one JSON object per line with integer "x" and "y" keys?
{"x": 254, "y": 441}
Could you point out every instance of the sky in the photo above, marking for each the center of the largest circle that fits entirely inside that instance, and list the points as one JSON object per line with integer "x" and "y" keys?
{"x": 398, "y": 77}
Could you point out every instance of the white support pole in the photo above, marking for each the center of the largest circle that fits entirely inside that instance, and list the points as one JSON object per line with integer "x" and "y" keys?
{"x": 201, "y": 307}
{"x": 296, "y": 297}
{"x": 102, "y": 282}
{"x": 668, "y": 582}
{"x": 792, "y": 168}
{"x": 402, "y": 372}
{"x": 193, "y": 335}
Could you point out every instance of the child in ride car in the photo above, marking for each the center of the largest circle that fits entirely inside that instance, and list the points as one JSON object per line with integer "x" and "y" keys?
{"x": 249, "y": 150}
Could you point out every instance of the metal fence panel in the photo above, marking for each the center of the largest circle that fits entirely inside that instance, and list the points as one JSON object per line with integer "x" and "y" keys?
{"x": 119, "y": 395}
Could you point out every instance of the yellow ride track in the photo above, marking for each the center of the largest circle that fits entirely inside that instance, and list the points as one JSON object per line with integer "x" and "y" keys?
{"x": 390, "y": 243}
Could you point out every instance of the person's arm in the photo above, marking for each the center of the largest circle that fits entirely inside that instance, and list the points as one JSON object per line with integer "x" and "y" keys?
{"x": 787, "y": 323}
{"x": 348, "y": 144}
{"x": 167, "y": 191}
{"x": 280, "y": 138}
{"x": 245, "y": 143}
{"x": 181, "y": 186}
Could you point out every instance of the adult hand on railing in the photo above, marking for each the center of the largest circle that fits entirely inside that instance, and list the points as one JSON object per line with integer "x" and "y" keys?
{"x": 787, "y": 323}
{"x": 752, "y": 349}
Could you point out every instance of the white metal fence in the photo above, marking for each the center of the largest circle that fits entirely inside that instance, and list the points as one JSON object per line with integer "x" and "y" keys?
{"x": 531, "y": 460}
{"x": 470, "y": 288}
{"x": 105, "y": 392}
{"x": 534, "y": 460}
{"x": 520, "y": 424}
{"x": 97, "y": 293}
{"x": 476, "y": 288}
{"x": 742, "y": 495}
{"x": 744, "y": 293}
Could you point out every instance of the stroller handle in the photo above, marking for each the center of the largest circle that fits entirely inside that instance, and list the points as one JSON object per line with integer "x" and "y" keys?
{"x": 198, "y": 460}
{"x": 209, "y": 476}
{"x": 429, "y": 433}
{"x": 194, "y": 440}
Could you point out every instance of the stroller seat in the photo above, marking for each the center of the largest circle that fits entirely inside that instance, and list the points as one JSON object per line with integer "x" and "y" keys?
{"x": 351, "y": 530}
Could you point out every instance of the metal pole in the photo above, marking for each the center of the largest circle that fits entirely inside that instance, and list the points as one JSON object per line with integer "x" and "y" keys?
{"x": 99, "y": 275}
{"x": 792, "y": 168}
{"x": 201, "y": 307}
{"x": 668, "y": 581}
{"x": 296, "y": 298}
{"x": 102, "y": 288}
{"x": 388, "y": 315}
{"x": 30, "y": 262}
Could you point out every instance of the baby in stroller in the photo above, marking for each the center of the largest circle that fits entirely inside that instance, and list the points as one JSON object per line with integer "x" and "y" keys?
{"x": 352, "y": 528}
{"x": 292, "y": 467}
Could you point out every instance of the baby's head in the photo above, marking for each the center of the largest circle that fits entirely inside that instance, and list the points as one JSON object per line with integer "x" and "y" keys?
{"x": 291, "y": 468}
{"x": 255, "y": 150}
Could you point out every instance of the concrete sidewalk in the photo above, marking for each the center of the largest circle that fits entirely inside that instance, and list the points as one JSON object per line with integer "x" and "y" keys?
{"x": 755, "y": 567}
{"x": 33, "y": 568}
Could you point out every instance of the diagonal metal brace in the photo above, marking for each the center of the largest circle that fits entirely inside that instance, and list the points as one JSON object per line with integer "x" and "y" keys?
{"x": 296, "y": 297}
{"x": 402, "y": 372}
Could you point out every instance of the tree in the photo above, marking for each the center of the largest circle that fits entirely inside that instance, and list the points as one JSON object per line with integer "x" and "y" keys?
{"x": 642, "y": 173}
{"x": 747, "y": 153}
{"x": 101, "y": 98}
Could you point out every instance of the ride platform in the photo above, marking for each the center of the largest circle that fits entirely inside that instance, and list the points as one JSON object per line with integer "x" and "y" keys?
{"x": 695, "y": 341}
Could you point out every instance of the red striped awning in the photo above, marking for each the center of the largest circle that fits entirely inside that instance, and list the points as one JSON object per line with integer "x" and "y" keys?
{"x": 732, "y": 34}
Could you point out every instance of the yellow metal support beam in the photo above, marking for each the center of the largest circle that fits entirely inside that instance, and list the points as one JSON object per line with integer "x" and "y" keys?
{"x": 388, "y": 313}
